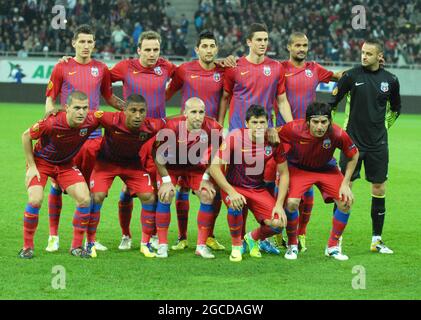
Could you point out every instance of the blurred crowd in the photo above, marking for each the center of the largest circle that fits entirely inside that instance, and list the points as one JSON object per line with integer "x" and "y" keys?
{"x": 328, "y": 25}
{"x": 25, "y": 25}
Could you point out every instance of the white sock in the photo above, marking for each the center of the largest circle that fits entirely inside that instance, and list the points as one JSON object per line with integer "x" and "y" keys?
{"x": 376, "y": 238}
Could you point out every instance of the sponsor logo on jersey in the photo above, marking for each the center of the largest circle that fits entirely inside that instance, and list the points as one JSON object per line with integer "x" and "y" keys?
{"x": 384, "y": 86}
{"x": 309, "y": 74}
{"x": 83, "y": 132}
{"x": 194, "y": 76}
{"x": 217, "y": 77}
{"x": 327, "y": 143}
{"x": 60, "y": 135}
{"x": 136, "y": 72}
{"x": 72, "y": 73}
{"x": 268, "y": 150}
{"x": 158, "y": 71}
{"x": 267, "y": 71}
{"x": 243, "y": 73}
{"x": 94, "y": 72}
{"x": 98, "y": 114}
{"x": 289, "y": 74}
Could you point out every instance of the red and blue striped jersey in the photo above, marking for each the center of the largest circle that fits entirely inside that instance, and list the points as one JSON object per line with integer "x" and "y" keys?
{"x": 120, "y": 144}
{"x": 312, "y": 153}
{"x": 246, "y": 159}
{"x": 194, "y": 81}
{"x": 300, "y": 86}
{"x": 57, "y": 142}
{"x": 148, "y": 82}
{"x": 250, "y": 83}
{"x": 92, "y": 78}
{"x": 186, "y": 150}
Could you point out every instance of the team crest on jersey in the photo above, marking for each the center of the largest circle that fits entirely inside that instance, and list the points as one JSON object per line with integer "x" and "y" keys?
{"x": 216, "y": 77}
{"x": 267, "y": 71}
{"x": 94, "y": 71}
{"x": 35, "y": 127}
{"x": 268, "y": 150}
{"x": 83, "y": 132}
{"x": 384, "y": 86}
{"x": 309, "y": 74}
{"x": 158, "y": 71}
{"x": 327, "y": 143}
{"x": 50, "y": 85}
{"x": 203, "y": 137}
{"x": 92, "y": 184}
{"x": 143, "y": 136}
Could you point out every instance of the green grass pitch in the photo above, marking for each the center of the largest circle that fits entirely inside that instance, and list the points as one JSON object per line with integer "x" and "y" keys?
{"x": 129, "y": 275}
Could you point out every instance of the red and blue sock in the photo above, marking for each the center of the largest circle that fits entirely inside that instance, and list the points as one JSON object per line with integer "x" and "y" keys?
{"x": 217, "y": 202}
{"x": 205, "y": 220}
{"x": 80, "y": 225}
{"x": 147, "y": 216}
{"x": 306, "y": 206}
{"x": 125, "y": 208}
{"x": 93, "y": 221}
{"x": 292, "y": 222}
{"x": 54, "y": 209}
{"x": 163, "y": 219}
{"x": 182, "y": 205}
{"x": 30, "y": 224}
{"x": 235, "y": 223}
{"x": 340, "y": 220}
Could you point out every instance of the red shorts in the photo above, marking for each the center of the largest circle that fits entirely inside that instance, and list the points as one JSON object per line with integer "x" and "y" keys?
{"x": 189, "y": 180}
{"x": 64, "y": 174}
{"x": 86, "y": 157}
{"x": 259, "y": 201}
{"x": 137, "y": 180}
{"x": 328, "y": 182}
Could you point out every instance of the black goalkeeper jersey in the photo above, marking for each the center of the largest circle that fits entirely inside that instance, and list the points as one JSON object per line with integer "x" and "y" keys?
{"x": 373, "y": 103}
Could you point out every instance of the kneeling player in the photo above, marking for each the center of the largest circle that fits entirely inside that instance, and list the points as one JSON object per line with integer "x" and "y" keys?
{"x": 125, "y": 133}
{"x": 246, "y": 152}
{"x": 182, "y": 151}
{"x": 59, "y": 137}
{"x": 312, "y": 142}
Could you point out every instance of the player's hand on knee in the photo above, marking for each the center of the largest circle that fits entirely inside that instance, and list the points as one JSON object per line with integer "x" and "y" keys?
{"x": 31, "y": 173}
{"x": 166, "y": 192}
{"x": 279, "y": 218}
{"x": 237, "y": 201}
{"x": 346, "y": 195}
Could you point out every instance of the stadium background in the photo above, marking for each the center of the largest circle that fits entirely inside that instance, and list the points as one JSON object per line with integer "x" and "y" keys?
{"x": 30, "y": 46}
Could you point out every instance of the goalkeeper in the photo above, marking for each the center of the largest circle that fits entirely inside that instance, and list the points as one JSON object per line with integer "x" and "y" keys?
{"x": 373, "y": 104}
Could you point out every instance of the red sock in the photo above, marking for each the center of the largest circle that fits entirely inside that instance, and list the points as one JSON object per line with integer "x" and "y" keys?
{"x": 262, "y": 232}
{"x": 182, "y": 205}
{"x": 147, "y": 216}
{"x": 292, "y": 222}
{"x": 235, "y": 223}
{"x": 125, "y": 208}
{"x": 216, "y": 209}
{"x": 245, "y": 214}
{"x": 54, "y": 209}
{"x": 93, "y": 222}
{"x": 340, "y": 220}
{"x": 163, "y": 219}
{"x": 306, "y": 205}
{"x": 80, "y": 225}
{"x": 204, "y": 222}
{"x": 30, "y": 223}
